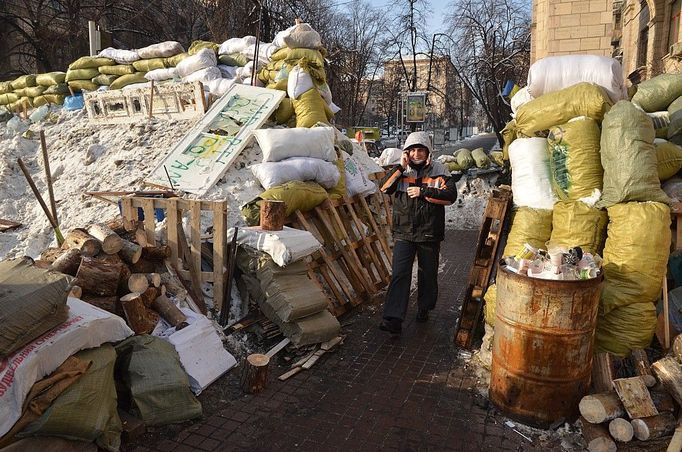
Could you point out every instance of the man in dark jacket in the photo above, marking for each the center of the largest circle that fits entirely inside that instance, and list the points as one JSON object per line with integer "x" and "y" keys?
{"x": 421, "y": 189}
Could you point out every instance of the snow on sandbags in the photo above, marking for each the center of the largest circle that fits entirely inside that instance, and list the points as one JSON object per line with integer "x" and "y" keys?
{"x": 203, "y": 59}
{"x": 270, "y": 174}
{"x": 161, "y": 74}
{"x": 555, "y": 73}
{"x": 121, "y": 56}
{"x": 531, "y": 181}
{"x": 204, "y": 75}
{"x": 280, "y": 144}
{"x": 160, "y": 50}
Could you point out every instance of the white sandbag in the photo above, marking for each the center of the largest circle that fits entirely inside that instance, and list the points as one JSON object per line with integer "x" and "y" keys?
{"x": 325, "y": 92}
{"x": 391, "y": 156}
{"x": 219, "y": 86}
{"x": 202, "y": 59}
{"x": 279, "y": 37}
{"x": 265, "y": 51}
{"x": 334, "y": 108}
{"x": 367, "y": 163}
{"x": 159, "y": 75}
{"x": 229, "y": 72}
{"x": 521, "y": 97}
{"x": 160, "y": 50}
{"x": 200, "y": 350}
{"x": 245, "y": 71}
{"x": 357, "y": 182}
{"x": 284, "y": 247}
{"x": 86, "y": 327}
{"x": 531, "y": 182}
{"x": 271, "y": 174}
{"x": 555, "y": 73}
{"x": 299, "y": 82}
{"x": 232, "y": 45}
{"x": 280, "y": 144}
{"x": 203, "y": 75}
{"x": 121, "y": 56}
{"x": 143, "y": 85}
{"x": 303, "y": 36}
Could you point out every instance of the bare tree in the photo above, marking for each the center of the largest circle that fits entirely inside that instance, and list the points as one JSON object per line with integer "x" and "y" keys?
{"x": 489, "y": 44}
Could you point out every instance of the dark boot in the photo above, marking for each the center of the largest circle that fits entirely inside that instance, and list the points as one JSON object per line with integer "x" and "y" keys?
{"x": 392, "y": 325}
{"x": 422, "y": 315}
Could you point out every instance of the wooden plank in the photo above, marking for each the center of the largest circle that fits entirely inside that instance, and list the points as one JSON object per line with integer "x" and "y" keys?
{"x": 359, "y": 225}
{"x": 128, "y": 213}
{"x": 172, "y": 229}
{"x": 635, "y": 397}
{"x": 375, "y": 227}
{"x": 7, "y": 225}
{"x": 195, "y": 277}
{"x": 219, "y": 255}
{"x": 274, "y": 350}
{"x": 149, "y": 220}
{"x": 195, "y": 236}
{"x": 182, "y": 204}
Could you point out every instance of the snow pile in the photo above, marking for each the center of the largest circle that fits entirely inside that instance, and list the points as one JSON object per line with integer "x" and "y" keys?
{"x": 472, "y": 198}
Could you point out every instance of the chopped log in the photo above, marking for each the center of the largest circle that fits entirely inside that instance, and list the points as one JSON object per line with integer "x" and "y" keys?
{"x": 149, "y": 295}
{"x": 42, "y": 264}
{"x": 143, "y": 266}
{"x": 272, "y": 215}
{"x": 109, "y": 304}
{"x": 51, "y": 254}
{"x": 676, "y": 443}
{"x": 130, "y": 252}
{"x": 137, "y": 314}
{"x": 68, "y": 262}
{"x": 123, "y": 282}
{"x": 602, "y": 372}
{"x": 156, "y": 253}
{"x": 76, "y": 292}
{"x": 98, "y": 277}
{"x": 139, "y": 282}
{"x": 81, "y": 240}
{"x": 677, "y": 343}
{"x": 641, "y": 362}
{"x": 254, "y": 373}
{"x": 111, "y": 242}
{"x": 597, "y": 437}
{"x": 169, "y": 312}
{"x": 647, "y": 428}
{"x": 669, "y": 373}
{"x": 598, "y": 408}
{"x": 621, "y": 430}
{"x": 118, "y": 225}
{"x": 635, "y": 397}
{"x": 141, "y": 236}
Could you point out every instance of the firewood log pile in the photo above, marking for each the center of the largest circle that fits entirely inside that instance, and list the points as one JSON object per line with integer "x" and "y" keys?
{"x": 115, "y": 270}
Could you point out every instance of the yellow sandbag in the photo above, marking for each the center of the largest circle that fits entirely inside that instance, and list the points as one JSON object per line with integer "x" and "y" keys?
{"x": 34, "y": 91}
{"x": 309, "y": 108}
{"x": 118, "y": 69}
{"x": 198, "y": 45}
{"x": 104, "y": 79}
{"x": 541, "y": 113}
{"x": 574, "y": 160}
{"x": 50, "y": 78}
{"x": 25, "y": 101}
{"x": 39, "y": 101}
{"x": 297, "y": 195}
{"x": 175, "y": 59}
{"x": 658, "y": 93}
{"x": 669, "y": 157}
{"x": 20, "y": 92}
{"x": 150, "y": 64}
{"x": 90, "y": 62}
{"x": 24, "y": 81}
{"x": 339, "y": 190}
{"x": 480, "y": 158}
{"x": 285, "y": 111}
{"x": 464, "y": 158}
{"x": 509, "y": 134}
{"x": 129, "y": 79}
{"x": 81, "y": 74}
{"x": 532, "y": 226}
{"x": 453, "y": 166}
{"x": 280, "y": 85}
{"x": 83, "y": 85}
{"x": 233, "y": 59}
{"x": 5, "y": 87}
{"x": 574, "y": 223}
{"x": 636, "y": 253}
{"x": 292, "y": 55}
{"x": 62, "y": 88}
{"x": 497, "y": 158}
{"x": 9, "y": 98}
{"x": 57, "y": 99}
{"x": 625, "y": 329}
{"x": 490, "y": 298}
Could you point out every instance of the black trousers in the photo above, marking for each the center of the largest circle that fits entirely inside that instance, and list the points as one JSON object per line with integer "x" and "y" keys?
{"x": 398, "y": 295}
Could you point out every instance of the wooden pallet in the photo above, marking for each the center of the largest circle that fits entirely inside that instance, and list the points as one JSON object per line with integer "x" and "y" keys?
{"x": 186, "y": 249}
{"x": 494, "y": 219}
{"x": 355, "y": 261}
{"x": 120, "y": 106}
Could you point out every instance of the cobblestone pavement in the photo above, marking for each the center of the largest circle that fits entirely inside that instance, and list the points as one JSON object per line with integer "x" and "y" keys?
{"x": 377, "y": 392}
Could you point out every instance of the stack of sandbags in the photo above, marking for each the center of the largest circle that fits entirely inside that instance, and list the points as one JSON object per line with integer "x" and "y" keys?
{"x": 81, "y": 72}
{"x": 202, "y": 66}
{"x": 24, "y": 89}
{"x": 55, "y": 90}
{"x": 661, "y": 98}
{"x": 8, "y": 98}
{"x": 638, "y": 241}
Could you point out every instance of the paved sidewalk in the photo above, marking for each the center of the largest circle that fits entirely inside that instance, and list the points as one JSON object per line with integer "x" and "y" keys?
{"x": 378, "y": 392}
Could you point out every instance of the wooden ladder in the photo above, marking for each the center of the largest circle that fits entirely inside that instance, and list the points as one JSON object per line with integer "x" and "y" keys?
{"x": 494, "y": 219}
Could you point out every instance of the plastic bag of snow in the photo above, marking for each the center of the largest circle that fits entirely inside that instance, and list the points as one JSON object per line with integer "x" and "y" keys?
{"x": 304, "y": 169}
{"x": 204, "y": 75}
{"x": 200, "y": 60}
{"x": 121, "y": 56}
{"x": 531, "y": 182}
{"x": 284, "y": 247}
{"x": 555, "y": 73}
{"x": 162, "y": 49}
{"x": 200, "y": 350}
{"x": 86, "y": 327}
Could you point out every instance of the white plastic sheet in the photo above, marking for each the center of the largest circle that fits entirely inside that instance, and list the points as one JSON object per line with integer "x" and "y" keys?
{"x": 284, "y": 247}
{"x": 531, "y": 183}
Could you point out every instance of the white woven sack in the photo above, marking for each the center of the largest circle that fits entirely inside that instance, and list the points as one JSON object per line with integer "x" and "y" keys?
{"x": 121, "y": 56}
{"x": 280, "y": 144}
{"x": 299, "y": 82}
{"x": 326, "y": 93}
{"x": 265, "y": 51}
{"x": 202, "y": 59}
{"x": 271, "y": 174}
{"x": 391, "y": 156}
{"x": 161, "y": 74}
{"x": 521, "y": 97}
{"x": 204, "y": 75}
{"x": 303, "y": 36}
{"x": 531, "y": 182}
{"x": 357, "y": 182}
{"x": 279, "y": 37}
{"x": 162, "y": 49}
{"x": 232, "y": 45}
{"x": 245, "y": 71}
{"x": 558, "y": 72}
{"x": 219, "y": 86}
{"x": 228, "y": 71}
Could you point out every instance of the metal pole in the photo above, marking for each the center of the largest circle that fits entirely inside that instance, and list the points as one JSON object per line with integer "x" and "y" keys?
{"x": 92, "y": 37}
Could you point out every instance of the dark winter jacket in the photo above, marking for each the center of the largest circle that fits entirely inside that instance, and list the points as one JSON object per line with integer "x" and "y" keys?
{"x": 420, "y": 219}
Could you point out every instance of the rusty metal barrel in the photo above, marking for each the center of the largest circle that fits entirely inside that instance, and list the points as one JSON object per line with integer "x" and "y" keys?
{"x": 543, "y": 346}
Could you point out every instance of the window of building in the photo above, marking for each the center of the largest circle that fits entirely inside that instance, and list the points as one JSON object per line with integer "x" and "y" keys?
{"x": 674, "y": 22}
{"x": 643, "y": 41}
